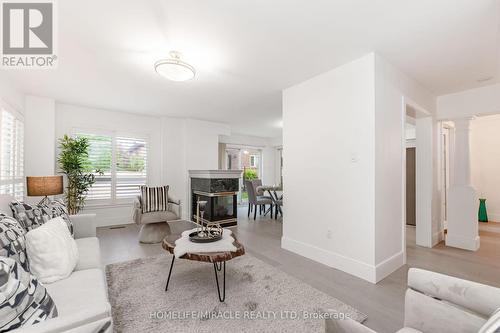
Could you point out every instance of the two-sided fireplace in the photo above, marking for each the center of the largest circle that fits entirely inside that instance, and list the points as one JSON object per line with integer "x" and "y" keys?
{"x": 219, "y": 188}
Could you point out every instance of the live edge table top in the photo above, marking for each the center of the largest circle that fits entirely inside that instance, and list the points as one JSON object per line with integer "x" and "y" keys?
{"x": 176, "y": 229}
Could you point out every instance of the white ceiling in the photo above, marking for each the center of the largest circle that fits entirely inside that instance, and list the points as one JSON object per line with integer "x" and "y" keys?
{"x": 247, "y": 51}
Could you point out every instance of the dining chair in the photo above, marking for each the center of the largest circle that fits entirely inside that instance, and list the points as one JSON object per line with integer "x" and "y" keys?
{"x": 278, "y": 207}
{"x": 255, "y": 201}
{"x": 260, "y": 194}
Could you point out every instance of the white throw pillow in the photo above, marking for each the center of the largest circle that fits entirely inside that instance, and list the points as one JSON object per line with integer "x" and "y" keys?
{"x": 52, "y": 252}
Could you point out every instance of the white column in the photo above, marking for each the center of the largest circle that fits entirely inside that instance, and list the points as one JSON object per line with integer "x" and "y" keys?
{"x": 462, "y": 204}
{"x": 461, "y": 176}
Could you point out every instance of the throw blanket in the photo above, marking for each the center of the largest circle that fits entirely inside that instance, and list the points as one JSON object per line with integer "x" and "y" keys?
{"x": 183, "y": 245}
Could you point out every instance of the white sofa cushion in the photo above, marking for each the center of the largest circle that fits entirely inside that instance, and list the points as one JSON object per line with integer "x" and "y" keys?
{"x": 89, "y": 253}
{"x": 408, "y": 330}
{"x": 82, "y": 290}
{"x": 52, "y": 252}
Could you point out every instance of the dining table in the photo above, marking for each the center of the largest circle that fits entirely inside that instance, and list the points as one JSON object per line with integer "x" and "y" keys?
{"x": 273, "y": 194}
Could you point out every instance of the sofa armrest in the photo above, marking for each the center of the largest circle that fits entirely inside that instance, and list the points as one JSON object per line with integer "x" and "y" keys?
{"x": 75, "y": 321}
{"x": 346, "y": 325}
{"x": 476, "y": 297}
{"x": 84, "y": 225}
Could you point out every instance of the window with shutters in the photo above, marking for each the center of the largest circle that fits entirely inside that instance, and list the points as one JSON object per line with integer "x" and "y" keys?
{"x": 123, "y": 161}
{"x": 12, "y": 154}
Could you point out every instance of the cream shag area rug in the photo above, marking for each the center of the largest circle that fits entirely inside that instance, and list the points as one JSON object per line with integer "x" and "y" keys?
{"x": 259, "y": 298}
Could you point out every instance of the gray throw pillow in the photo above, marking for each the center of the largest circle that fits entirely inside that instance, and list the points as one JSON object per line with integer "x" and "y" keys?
{"x": 31, "y": 216}
{"x": 23, "y": 300}
{"x": 12, "y": 241}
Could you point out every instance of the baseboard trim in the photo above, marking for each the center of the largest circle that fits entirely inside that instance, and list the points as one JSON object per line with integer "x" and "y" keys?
{"x": 466, "y": 243}
{"x": 493, "y": 217}
{"x": 354, "y": 267}
{"x": 437, "y": 237}
{"x": 490, "y": 227}
{"x": 388, "y": 266}
{"x": 112, "y": 221}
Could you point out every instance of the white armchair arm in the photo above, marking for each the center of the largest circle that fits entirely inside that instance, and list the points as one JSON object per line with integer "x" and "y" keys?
{"x": 84, "y": 225}
{"x": 174, "y": 205}
{"x": 137, "y": 210}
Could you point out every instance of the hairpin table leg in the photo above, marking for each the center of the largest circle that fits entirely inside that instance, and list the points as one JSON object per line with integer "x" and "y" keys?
{"x": 217, "y": 268}
{"x": 170, "y": 272}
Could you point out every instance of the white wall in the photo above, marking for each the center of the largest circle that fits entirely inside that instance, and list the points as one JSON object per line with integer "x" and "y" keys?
{"x": 39, "y": 136}
{"x": 484, "y": 100}
{"x": 201, "y": 151}
{"x": 485, "y": 162}
{"x": 175, "y": 146}
{"x": 328, "y": 140}
{"x": 343, "y": 141}
{"x": 10, "y": 94}
{"x": 393, "y": 90}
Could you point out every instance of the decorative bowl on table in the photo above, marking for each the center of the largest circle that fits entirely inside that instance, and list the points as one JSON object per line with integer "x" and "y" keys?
{"x": 207, "y": 236}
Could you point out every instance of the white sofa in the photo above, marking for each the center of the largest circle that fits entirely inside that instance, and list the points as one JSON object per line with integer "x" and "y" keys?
{"x": 437, "y": 303}
{"x": 81, "y": 299}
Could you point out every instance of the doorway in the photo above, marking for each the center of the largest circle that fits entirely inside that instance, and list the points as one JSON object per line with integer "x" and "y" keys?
{"x": 418, "y": 190}
{"x": 245, "y": 158}
{"x": 411, "y": 218}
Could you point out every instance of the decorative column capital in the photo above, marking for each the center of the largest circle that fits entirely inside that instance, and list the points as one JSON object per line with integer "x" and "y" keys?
{"x": 462, "y": 124}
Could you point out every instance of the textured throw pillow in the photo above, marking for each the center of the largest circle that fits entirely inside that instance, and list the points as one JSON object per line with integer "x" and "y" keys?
{"x": 58, "y": 208}
{"x": 23, "y": 300}
{"x": 12, "y": 241}
{"x": 52, "y": 252}
{"x": 31, "y": 216}
{"x": 154, "y": 199}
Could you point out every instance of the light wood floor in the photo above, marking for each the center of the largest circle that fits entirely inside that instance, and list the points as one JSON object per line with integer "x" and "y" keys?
{"x": 383, "y": 302}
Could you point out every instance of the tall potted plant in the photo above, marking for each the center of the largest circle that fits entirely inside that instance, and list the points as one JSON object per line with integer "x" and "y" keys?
{"x": 74, "y": 163}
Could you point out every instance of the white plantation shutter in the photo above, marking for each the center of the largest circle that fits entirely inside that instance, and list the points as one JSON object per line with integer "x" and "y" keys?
{"x": 131, "y": 166}
{"x": 100, "y": 158}
{"x": 12, "y": 155}
{"x": 123, "y": 160}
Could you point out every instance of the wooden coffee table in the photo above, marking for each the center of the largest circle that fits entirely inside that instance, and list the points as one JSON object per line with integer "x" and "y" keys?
{"x": 217, "y": 258}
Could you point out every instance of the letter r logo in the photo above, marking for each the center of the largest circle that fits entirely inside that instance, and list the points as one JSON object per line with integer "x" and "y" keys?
{"x": 27, "y": 28}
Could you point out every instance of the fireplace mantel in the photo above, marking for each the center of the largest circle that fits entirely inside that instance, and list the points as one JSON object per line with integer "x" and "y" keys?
{"x": 215, "y": 173}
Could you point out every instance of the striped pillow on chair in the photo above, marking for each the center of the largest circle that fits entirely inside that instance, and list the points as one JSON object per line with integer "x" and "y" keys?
{"x": 154, "y": 199}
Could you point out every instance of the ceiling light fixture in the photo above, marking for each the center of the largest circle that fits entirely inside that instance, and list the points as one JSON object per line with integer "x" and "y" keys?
{"x": 174, "y": 69}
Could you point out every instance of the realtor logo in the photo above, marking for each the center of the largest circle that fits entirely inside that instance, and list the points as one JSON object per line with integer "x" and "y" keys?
{"x": 28, "y": 34}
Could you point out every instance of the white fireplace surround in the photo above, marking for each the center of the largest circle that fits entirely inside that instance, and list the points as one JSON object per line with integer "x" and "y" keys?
{"x": 214, "y": 174}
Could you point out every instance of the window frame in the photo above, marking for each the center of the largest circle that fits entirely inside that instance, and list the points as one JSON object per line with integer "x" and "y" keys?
{"x": 255, "y": 163}
{"x": 113, "y": 201}
{"x": 18, "y": 116}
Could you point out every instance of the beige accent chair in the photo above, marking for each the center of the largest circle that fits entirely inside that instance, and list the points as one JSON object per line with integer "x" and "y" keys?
{"x": 154, "y": 226}
{"x": 438, "y": 303}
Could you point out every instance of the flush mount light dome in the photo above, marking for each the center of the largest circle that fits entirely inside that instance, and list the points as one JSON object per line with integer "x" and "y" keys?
{"x": 174, "y": 68}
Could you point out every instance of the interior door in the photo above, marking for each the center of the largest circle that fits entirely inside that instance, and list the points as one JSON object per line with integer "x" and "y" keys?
{"x": 410, "y": 187}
